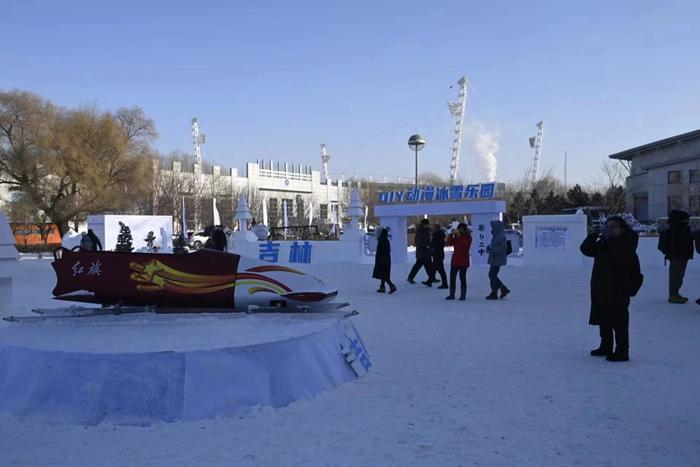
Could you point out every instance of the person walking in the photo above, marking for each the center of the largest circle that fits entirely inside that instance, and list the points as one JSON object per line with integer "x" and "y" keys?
{"x": 498, "y": 254}
{"x": 423, "y": 254}
{"x": 437, "y": 245}
{"x": 676, "y": 243}
{"x": 85, "y": 242}
{"x": 96, "y": 244}
{"x": 616, "y": 277}
{"x": 382, "y": 262}
{"x": 462, "y": 241}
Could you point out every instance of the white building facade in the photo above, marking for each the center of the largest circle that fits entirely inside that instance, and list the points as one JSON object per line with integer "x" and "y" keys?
{"x": 272, "y": 184}
{"x": 664, "y": 175}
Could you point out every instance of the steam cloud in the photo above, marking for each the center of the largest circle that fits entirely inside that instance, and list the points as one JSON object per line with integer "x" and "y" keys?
{"x": 485, "y": 144}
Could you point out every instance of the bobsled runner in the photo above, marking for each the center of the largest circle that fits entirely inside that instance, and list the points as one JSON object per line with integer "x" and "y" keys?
{"x": 207, "y": 280}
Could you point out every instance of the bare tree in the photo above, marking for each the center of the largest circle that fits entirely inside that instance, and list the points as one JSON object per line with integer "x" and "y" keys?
{"x": 70, "y": 162}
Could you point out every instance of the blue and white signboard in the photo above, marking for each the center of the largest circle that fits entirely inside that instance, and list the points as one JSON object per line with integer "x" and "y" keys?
{"x": 481, "y": 191}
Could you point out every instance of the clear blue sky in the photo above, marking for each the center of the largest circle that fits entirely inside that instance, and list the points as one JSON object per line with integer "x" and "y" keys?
{"x": 275, "y": 79}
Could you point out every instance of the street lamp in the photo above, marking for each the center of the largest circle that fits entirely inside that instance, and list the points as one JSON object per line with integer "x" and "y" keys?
{"x": 416, "y": 142}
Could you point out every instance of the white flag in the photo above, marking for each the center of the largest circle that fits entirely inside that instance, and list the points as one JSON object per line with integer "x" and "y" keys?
{"x": 286, "y": 220}
{"x": 264, "y": 213}
{"x": 217, "y": 219}
{"x": 184, "y": 219}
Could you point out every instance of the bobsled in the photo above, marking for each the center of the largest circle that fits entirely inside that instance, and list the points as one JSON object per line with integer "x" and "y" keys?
{"x": 203, "y": 280}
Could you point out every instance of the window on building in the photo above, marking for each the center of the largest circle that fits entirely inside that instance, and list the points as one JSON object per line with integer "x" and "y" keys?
{"x": 674, "y": 176}
{"x": 273, "y": 211}
{"x": 301, "y": 214}
{"x": 675, "y": 202}
{"x": 694, "y": 176}
{"x": 323, "y": 212}
{"x": 694, "y": 205}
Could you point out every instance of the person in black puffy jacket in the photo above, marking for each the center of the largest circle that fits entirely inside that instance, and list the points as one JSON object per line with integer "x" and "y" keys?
{"x": 615, "y": 278}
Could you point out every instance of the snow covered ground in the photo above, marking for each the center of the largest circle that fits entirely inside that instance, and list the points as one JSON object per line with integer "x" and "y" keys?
{"x": 453, "y": 383}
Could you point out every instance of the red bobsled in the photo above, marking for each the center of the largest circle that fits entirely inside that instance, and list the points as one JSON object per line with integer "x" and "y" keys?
{"x": 202, "y": 280}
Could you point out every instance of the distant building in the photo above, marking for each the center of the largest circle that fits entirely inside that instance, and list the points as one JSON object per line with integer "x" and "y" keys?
{"x": 664, "y": 175}
{"x": 269, "y": 183}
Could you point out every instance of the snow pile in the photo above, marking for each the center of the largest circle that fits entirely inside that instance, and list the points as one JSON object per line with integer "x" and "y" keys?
{"x": 139, "y": 372}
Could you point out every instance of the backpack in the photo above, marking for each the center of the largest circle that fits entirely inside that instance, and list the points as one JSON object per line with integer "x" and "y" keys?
{"x": 509, "y": 247}
{"x": 664, "y": 245}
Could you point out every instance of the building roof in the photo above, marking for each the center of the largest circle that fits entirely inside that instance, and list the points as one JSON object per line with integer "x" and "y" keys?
{"x": 631, "y": 153}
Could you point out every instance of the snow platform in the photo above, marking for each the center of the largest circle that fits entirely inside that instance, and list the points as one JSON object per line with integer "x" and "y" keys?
{"x": 143, "y": 369}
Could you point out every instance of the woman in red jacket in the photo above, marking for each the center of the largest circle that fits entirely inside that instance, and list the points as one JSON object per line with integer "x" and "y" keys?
{"x": 462, "y": 241}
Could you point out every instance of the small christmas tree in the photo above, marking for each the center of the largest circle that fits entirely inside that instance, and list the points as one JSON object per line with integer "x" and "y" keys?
{"x": 124, "y": 239}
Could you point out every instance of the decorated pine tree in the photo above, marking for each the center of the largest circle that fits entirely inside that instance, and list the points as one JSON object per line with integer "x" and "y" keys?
{"x": 124, "y": 239}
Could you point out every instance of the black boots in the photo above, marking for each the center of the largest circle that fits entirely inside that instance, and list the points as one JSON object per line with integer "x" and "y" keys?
{"x": 381, "y": 289}
{"x": 492, "y": 296}
{"x": 618, "y": 356}
{"x": 504, "y": 291}
{"x": 602, "y": 351}
{"x": 392, "y": 289}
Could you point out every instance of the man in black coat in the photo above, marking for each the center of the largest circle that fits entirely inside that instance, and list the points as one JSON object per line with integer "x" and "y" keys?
{"x": 96, "y": 244}
{"x": 676, "y": 243}
{"x": 382, "y": 262}
{"x": 219, "y": 239}
{"x": 616, "y": 277}
{"x": 437, "y": 244}
{"x": 423, "y": 253}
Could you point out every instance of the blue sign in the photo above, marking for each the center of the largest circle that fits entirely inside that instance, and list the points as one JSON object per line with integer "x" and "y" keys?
{"x": 439, "y": 193}
{"x": 300, "y": 253}
{"x": 269, "y": 251}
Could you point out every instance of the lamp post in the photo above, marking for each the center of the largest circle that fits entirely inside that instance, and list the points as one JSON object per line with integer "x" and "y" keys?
{"x": 416, "y": 142}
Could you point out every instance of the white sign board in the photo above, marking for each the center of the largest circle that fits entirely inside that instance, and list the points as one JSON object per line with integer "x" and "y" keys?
{"x": 554, "y": 240}
{"x": 552, "y": 237}
{"x": 106, "y": 227}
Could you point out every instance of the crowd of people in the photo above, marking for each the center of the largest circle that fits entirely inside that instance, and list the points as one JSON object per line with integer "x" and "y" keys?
{"x": 430, "y": 256}
{"x": 616, "y": 276}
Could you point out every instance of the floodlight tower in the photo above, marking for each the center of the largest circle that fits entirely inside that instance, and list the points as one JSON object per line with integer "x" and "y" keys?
{"x": 198, "y": 139}
{"x": 457, "y": 110}
{"x": 325, "y": 158}
{"x": 536, "y": 142}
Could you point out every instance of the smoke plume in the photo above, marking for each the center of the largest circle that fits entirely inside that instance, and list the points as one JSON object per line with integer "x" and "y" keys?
{"x": 485, "y": 145}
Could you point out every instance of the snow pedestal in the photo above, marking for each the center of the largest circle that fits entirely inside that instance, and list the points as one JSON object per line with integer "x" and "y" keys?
{"x": 554, "y": 240}
{"x": 8, "y": 261}
{"x": 243, "y": 215}
{"x": 138, "y": 370}
{"x": 353, "y": 238}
